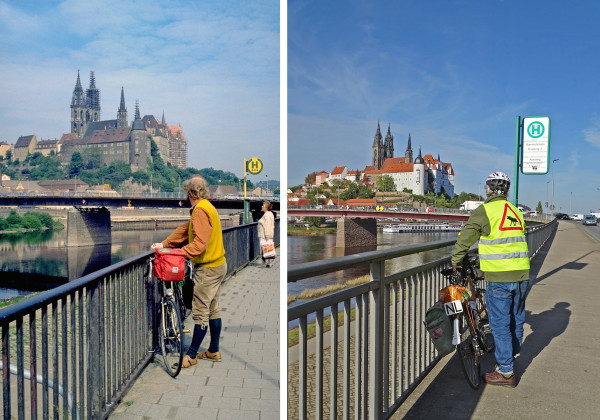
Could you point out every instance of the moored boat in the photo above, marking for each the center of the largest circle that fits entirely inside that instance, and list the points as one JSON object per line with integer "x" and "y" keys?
{"x": 421, "y": 227}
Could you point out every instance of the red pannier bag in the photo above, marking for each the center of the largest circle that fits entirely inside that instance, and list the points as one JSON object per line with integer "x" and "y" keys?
{"x": 169, "y": 264}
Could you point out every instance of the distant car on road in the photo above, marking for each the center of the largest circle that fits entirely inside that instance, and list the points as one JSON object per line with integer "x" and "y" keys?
{"x": 562, "y": 216}
{"x": 578, "y": 217}
{"x": 590, "y": 220}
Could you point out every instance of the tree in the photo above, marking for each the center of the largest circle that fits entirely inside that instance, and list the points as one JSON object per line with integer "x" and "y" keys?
{"x": 386, "y": 183}
{"x": 311, "y": 178}
{"x": 76, "y": 164}
{"x": 92, "y": 157}
{"x": 539, "y": 208}
{"x": 315, "y": 221}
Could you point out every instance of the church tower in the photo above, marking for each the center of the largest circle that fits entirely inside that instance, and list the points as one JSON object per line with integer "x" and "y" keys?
{"x": 122, "y": 112}
{"x": 378, "y": 150}
{"x": 78, "y": 109}
{"x": 409, "y": 153}
{"x": 388, "y": 145}
{"x": 139, "y": 144}
{"x": 92, "y": 100}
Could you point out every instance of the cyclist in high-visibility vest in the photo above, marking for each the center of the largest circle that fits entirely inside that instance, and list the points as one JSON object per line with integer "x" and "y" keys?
{"x": 504, "y": 258}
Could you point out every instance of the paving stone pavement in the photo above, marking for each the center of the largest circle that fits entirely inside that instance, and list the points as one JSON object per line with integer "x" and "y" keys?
{"x": 245, "y": 385}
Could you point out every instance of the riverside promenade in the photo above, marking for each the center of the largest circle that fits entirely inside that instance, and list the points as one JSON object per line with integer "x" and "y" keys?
{"x": 245, "y": 385}
{"x": 558, "y": 369}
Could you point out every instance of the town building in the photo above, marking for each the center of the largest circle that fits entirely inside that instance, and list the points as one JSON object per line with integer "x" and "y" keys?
{"x": 420, "y": 175}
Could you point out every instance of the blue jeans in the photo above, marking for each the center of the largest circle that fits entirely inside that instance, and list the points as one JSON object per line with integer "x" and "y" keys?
{"x": 506, "y": 308}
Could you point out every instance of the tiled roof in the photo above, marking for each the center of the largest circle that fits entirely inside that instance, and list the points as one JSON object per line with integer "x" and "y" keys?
{"x": 99, "y": 125}
{"x": 338, "y": 170}
{"x": 111, "y": 135}
{"x": 361, "y": 202}
{"x": 176, "y": 131}
{"x": 24, "y": 141}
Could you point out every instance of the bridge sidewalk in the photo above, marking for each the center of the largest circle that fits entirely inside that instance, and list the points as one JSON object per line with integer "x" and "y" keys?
{"x": 557, "y": 371}
{"x": 245, "y": 385}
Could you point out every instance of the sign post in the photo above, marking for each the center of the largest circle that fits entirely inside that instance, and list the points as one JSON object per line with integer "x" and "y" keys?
{"x": 254, "y": 166}
{"x": 532, "y": 152}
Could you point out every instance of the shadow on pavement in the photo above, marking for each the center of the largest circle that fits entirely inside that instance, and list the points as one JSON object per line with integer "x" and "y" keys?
{"x": 545, "y": 326}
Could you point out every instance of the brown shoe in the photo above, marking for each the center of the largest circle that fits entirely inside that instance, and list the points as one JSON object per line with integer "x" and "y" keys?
{"x": 188, "y": 361}
{"x": 496, "y": 378}
{"x": 215, "y": 357}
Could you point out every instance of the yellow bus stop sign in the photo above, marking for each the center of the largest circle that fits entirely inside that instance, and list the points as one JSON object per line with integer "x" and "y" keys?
{"x": 254, "y": 166}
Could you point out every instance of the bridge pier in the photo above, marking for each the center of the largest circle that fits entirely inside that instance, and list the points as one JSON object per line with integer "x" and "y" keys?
{"x": 88, "y": 226}
{"x": 353, "y": 232}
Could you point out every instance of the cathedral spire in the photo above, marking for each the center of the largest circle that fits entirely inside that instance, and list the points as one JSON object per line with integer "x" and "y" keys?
{"x": 388, "y": 145}
{"x": 408, "y": 156}
{"x": 78, "y": 95}
{"x": 122, "y": 112}
{"x": 122, "y": 105}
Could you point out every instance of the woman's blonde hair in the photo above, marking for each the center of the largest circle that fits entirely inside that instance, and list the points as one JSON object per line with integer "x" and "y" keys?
{"x": 196, "y": 188}
{"x": 268, "y": 204}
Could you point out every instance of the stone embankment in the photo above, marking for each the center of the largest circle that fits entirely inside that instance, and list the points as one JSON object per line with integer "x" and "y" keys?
{"x": 135, "y": 218}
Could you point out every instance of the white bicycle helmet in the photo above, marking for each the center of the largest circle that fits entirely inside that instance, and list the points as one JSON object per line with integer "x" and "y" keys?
{"x": 498, "y": 182}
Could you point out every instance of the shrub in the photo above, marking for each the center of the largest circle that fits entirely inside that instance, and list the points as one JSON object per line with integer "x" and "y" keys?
{"x": 14, "y": 219}
{"x": 31, "y": 221}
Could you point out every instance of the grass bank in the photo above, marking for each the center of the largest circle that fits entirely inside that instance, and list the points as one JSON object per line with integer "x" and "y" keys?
{"x": 314, "y": 293}
{"x": 310, "y": 231}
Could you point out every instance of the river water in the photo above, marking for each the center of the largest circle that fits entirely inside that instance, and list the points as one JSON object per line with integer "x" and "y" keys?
{"x": 41, "y": 260}
{"x": 312, "y": 248}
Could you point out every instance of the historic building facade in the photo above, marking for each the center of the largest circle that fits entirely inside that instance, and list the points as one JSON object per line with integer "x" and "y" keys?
{"x": 421, "y": 175}
{"x": 116, "y": 139}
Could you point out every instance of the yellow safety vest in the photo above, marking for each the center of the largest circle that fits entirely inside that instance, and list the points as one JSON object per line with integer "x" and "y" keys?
{"x": 505, "y": 248}
{"x": 214, "y": 255}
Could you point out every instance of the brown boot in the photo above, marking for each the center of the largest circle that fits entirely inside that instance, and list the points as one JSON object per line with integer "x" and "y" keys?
{"x": 497, "y": 378}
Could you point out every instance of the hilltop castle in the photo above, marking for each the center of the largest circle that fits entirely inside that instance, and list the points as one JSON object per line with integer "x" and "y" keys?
{"x": 116, "y": 139}
{"x": 421, "y": 175}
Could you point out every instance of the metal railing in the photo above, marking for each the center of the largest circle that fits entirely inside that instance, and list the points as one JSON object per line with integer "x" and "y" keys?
{"x": 362, "y": 351}
{"x": 81, "y": 345}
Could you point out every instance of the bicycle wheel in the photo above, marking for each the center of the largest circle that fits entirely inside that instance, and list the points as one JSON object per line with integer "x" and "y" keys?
{"x": 468, "y": 352}
{"x": 171, "y": 342}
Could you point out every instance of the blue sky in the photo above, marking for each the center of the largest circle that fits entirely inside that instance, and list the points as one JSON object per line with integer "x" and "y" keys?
{"x": 454, "y": 74}
{"x": 212, "y": 67}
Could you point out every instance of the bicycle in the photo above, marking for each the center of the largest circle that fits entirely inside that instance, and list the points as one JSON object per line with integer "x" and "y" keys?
{"x": 170, "y": 328}
{"x": 464, "y": 303}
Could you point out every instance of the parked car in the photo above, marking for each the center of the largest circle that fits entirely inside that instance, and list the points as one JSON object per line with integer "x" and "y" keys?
{"x": 562, "y": 216}
{"x": 590, "y": 220}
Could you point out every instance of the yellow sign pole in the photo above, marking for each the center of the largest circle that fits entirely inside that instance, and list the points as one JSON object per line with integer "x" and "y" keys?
{"x": 245, "y": 163}
{"x": 246, "y": 204}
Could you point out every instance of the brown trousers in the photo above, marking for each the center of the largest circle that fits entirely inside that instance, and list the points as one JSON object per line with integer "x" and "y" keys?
{"x": 207, "y": 288}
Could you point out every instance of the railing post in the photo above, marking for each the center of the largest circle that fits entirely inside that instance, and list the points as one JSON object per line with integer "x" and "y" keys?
{"x": 376, "y": 334}
{"x": 94, "y": 390}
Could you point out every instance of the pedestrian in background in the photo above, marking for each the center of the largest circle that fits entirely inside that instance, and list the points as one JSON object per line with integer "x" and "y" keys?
{"x": 266, "y": 229}
{"x": 201, "y": 239}
{"x": 504, "y": 258}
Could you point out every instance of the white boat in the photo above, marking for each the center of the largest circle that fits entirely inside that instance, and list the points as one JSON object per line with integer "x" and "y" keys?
{"x": 421, "y": 227}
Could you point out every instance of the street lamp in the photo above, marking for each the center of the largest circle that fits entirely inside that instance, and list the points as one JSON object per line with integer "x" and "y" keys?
{"x": 571, "y": 204}
{"x": 552, "y": 208}
{"x": 267, "y": 176}
{"x": 547, "y": 182}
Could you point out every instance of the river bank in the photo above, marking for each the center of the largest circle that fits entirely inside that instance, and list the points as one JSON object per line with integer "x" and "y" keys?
{"x": 310, "y": 231}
